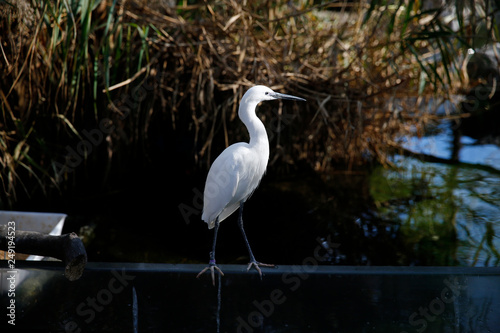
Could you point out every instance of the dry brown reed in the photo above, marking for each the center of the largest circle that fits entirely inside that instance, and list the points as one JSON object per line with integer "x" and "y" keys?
{"x": 360, "y": 66}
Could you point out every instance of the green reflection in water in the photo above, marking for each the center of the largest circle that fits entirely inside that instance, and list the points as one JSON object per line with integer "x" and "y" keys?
{"x": 449, "y": 215}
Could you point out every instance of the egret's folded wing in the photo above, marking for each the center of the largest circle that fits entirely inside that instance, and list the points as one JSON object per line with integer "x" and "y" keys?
{"x": 222, "y": 188}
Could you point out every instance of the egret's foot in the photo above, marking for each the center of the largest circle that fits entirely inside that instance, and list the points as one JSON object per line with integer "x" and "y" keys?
{"x": 256, "y": 264}
{"x": 212, "y": 266}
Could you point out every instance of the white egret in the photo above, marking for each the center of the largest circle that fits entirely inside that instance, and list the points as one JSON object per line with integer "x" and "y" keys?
{"x": 236, "y": 173}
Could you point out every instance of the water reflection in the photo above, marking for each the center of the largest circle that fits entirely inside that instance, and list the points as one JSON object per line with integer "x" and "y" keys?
{"x": 440, "y": 144}
{"x": 452, "y": 207}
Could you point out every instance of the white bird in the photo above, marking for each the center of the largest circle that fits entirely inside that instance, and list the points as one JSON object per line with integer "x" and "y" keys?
{"x": 237, "y": 172}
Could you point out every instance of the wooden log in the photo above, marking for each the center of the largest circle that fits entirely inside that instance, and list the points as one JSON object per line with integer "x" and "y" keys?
{"x": 68, "y": 248}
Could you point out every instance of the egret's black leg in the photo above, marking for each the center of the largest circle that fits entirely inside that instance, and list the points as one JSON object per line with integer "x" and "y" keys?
{"x": 252, "y": 262}
{"x": 212, "y": 266}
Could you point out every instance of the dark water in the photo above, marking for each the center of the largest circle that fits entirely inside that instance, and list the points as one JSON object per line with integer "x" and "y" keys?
{"x": 414, "y": 213}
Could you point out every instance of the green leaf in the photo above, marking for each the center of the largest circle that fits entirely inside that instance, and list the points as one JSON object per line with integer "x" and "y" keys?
{"x": 69, "y": 124}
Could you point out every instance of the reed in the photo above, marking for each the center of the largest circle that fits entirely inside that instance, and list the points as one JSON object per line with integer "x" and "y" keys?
{"x": 365, "y": 68}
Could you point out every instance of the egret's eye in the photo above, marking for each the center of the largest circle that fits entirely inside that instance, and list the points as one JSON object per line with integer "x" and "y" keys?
{"x": 267, "y": 93}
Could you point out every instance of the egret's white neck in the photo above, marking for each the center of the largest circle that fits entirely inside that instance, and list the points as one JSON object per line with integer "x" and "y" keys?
{"x": 255, "y": 127}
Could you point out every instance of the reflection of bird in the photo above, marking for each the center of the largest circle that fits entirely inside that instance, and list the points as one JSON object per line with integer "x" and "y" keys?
{"x": 236, "y": 173}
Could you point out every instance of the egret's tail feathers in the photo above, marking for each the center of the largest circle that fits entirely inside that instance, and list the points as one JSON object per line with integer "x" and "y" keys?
{"x": 211, "y": 224}
{"x": 208, "y": 219}
{"x": 222, "y": 214}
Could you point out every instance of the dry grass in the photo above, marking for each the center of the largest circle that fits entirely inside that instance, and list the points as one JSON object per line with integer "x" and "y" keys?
{"x": 130, "y": 62}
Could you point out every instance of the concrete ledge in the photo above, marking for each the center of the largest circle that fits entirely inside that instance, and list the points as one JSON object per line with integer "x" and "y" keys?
{"x": 128, "y": 297}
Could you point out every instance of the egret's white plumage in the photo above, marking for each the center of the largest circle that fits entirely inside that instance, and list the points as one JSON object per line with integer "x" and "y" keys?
{"x": 237, "y": 172}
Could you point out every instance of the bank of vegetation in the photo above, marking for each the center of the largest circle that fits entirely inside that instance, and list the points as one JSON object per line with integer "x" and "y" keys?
{"x": 93, "y": 90}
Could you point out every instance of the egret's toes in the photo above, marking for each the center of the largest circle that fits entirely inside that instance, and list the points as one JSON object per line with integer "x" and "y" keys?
{"x": 256, "y": 264}
{"x": 212, "y": 268}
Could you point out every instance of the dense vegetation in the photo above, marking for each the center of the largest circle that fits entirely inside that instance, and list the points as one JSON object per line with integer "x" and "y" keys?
{"x": 93, "y": 91}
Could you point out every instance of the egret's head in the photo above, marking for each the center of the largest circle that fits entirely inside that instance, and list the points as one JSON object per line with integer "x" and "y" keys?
{"x": 262, "y": 93}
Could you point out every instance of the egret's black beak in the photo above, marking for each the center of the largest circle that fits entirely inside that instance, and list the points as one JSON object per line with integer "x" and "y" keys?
{"x": 284, "y": 96}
